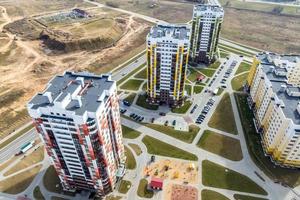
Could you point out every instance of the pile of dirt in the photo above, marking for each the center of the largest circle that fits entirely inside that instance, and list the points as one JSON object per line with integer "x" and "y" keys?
{"x": 55, "y": 43}
{"x": 61, "y": 41}
{"x": 26, "y": 28}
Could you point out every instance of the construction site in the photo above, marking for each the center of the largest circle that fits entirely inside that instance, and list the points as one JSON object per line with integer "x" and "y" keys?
{"x": 79, "y": 38}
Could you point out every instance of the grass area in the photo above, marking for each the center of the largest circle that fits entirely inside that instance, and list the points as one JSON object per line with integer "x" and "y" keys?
{"x": 184, "y": 136}
{"x": 198, "y": 89}
{"x": 129, "y": 132}
{"x": 16, "y": 135}
{"x": 212, "y": 195}
{"x": 188, "y": 89}
{"x": 238, "y": 82}
{"x": 6, "y": 163}
{"x": 136, "y": 148}
{"x": 144, "y": 88}
{"x": 222, "y": 145}
{"x": 35, "y": 157}
{"x": 124, "y": 186}
{"x": 222, "y": 112}
{"x": 130, "y": 97}
{"x": 244, "y": 197}
{"x": 155, "y": 146}
{"x": 193, "y": 74}
{"x": 244, "y": 67}
{"x": 141, "y": 101}
{"x": 143, "y": 189}
{"x": 18, "y": 183}
{"x": 182, "y": 109}
{"x": 132, "y": 84}
{"x": 220, "y": 91}
{"x": 130, "y": 160}
{"x": 223, "y": 54}
{"x": 215, "y": 65}
{"x": 137, "y": 56}
{"x": 38, "y": 194}
{"x": 142, "y": 74}
{"x": 290, "y": 177}
{"x": 112, "y": 197}
{"x": 119, "y": 82}
{"x": 214, "y": 175}
{"x": 52, "y": 183}
{"x": 207, "y": 72}
{"x": 236, "y": 51}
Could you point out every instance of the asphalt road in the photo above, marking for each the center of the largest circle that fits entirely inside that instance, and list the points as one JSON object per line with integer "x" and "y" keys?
{"x": 14, "y": 147}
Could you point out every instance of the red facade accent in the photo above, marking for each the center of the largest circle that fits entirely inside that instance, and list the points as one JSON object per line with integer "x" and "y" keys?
{"x": 85, "y": 129}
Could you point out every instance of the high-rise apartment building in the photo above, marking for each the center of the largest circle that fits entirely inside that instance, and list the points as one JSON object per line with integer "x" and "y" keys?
{"x": 167, "y": 60}
{"x": 78, "y": 119}
{"x": 275, "y": 100}
{"x": 206, "y": 26}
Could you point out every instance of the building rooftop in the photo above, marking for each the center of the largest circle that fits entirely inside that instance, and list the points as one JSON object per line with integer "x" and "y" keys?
{"x": 78, "y": 92}
{"x": 213, "y": 7}
{"x": 289, "y": 95}
{"x": 175, "y": 31}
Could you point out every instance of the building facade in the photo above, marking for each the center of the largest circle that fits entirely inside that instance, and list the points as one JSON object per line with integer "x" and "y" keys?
{"x": 167, "y": 60}
{"x": 206, "y": 26}
{"x": 78, "y": 119}
{"x": 275, "y": 101}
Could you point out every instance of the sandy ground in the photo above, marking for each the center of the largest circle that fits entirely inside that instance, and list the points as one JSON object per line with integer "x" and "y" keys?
{"x": 25, "y": 68}
{"x": 179, "y": 171}
{"x": 180, "y": 192}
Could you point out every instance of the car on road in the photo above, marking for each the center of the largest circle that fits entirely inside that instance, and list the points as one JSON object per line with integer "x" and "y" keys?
{"x": 224, "y": 86}
{"x": 162, "y": 114}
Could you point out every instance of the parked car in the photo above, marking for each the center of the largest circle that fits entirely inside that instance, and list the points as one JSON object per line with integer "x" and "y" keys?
{"x": 166, "y": 123}
{"x": 174, "y": 122}
{"x": 126, "y": 103}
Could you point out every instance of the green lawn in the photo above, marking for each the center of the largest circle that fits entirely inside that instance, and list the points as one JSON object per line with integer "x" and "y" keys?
{"x": 130, "y": 160}
{"x": 220, "y": 91}
{"x": 155, "y": 146}
{"x": 141, "y": 101}
{"x": 124, "y": 186}
{"x": 129, "y": 132}
{"x": 143, "y": 190}
{"x": 193, "y": 74}
{"x": 136, "y": 148}
{"x": 224, "y": 112}
{"x": 214, "y": 175}
{"x": 119, "y": 82}
{"x": 223, "y": 54}
{"x": 238, "y": 82}
{"x": 237, "y": 51}
{"x": 142, "y": 74}
{"x": 198, "y": 89}
{"x": 215, "y": 65}
{"x": 244, "y": 197}
{"x": 38, "y": 194}
{"x": 130, "y": 97}
{"x": 188, "y": 89}
{"x": 222, "y": 145}
{"x": 289, "y": 176}
{"x": 212, "y": 195}
{"x": 132, "y": 84}
{"x": 244, "y": 67}
{"x": 207, "y": 72}
{"x": 182, "y": 109}
{"x": 181, "y": 135}
{"x": 144, "y": 88}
